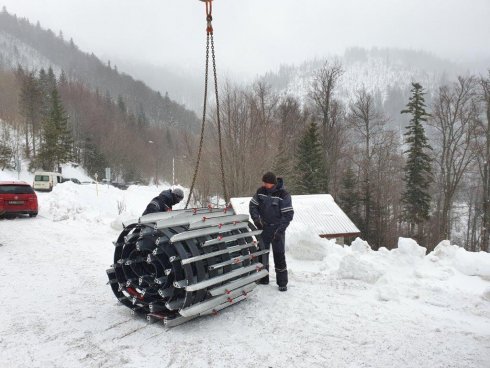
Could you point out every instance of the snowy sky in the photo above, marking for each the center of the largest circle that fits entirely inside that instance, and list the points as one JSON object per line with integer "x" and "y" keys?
{"x": 255, "y": 36}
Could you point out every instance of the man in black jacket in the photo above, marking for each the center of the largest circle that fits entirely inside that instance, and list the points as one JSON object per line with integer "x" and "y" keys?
{"x": 271, "y": 210}
{"x": 164, "y": 201}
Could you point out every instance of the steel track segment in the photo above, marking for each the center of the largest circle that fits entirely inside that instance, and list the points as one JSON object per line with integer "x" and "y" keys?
{"x": 119, "y": 243}
{"x": 161, "y": 263}
{"x": 207, "y": 231}
{"x": 223, "y": 278}
{"x": 198, "y": 268}
{"x": 154, "y": 217}
{"x": 176, "y": 267}
{"x": 146, "y": 275}
{"x": 166, "y": 281}
{"x": 222, "y": 254}
{"x": 224, "y": 251}
{"x": 218, "y": 253}
{"x": 111, "y": 274}
{"x": 146, "y": 243}
{"x": 218, "y": 257}
{"x": 231, "y": 238}
{"x": 223, "y": 289}
{"x": 188, "y": 271}
{"x": 245, "y": 252}
{"x": 233, "y": 247}
{"x": 126, "y": 252}
{"x": 199, "y": 271}
{"x": 196, "y": 222}
{"x": 230, "y": 245}
{"x": 216, "y": 301}
{"x": 133, "y": 271}
{"x": 210, "y": 215}
{"x": 173, "y": 322}
{"x": 250, "y": 260}
{"x": 239, "y": 259}
{"x": 221, "y": 220}
{"x": 227, "y": 304}
{"x": 138, "y": 265}
{"x": 121, "y": 251}
{"x": 172, "y": 222}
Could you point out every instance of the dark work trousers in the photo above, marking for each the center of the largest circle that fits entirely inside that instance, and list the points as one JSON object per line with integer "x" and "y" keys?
{"x": 269, "y": 236}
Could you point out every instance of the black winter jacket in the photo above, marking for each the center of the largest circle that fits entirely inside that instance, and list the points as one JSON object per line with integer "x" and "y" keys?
{"x": 162, "y": 203}
{"x": 272, "y": 206}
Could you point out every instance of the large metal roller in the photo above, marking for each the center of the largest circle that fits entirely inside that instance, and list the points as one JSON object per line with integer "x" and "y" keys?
{"x": 178, "y": 265}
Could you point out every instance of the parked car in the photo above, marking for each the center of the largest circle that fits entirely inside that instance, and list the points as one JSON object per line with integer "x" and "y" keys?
{"x": 17, "y": 197}
{"x": 46, "y": 180}
{"x": 73, "y": 180}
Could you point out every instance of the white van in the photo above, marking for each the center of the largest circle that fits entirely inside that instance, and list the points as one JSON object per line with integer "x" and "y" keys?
{"x": 45, "y": 180}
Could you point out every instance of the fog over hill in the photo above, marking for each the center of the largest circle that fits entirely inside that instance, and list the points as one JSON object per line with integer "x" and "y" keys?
{"x": 380, "y": 70}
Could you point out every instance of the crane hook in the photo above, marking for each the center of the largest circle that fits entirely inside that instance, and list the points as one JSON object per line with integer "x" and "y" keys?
{"x": 209, "y": 16}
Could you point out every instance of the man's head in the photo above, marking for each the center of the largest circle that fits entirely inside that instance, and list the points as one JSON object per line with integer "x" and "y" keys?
{"x": 177, "y": 194}
{"x": 269, "y": 180}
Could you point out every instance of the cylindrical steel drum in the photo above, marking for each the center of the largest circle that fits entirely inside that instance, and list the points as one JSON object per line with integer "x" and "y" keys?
{"x": 175, "y": 266}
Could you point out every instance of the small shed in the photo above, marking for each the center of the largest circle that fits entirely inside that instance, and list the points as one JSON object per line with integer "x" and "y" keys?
{"x": 319, "y": 211}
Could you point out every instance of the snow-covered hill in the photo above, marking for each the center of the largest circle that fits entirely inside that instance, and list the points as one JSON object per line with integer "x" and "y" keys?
{"x": 378, "y": 70}
{"x": 14, "y": 53}
{"x": 345, "y": 307}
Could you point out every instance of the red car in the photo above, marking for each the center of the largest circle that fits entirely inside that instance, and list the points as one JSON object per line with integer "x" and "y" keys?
{"x": 17, "y": 197}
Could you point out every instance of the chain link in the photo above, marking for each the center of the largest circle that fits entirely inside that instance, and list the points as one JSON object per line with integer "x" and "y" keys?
{"x": 203, "y": 123}
{"x": 225, "y": 193}
{"x": 196, "y": 170}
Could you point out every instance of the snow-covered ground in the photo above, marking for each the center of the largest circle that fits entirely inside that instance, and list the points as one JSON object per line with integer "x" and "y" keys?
{"x": 345, "y": 307}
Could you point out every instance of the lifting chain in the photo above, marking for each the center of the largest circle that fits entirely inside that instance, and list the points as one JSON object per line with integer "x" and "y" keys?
{"x": 209, "y": 37}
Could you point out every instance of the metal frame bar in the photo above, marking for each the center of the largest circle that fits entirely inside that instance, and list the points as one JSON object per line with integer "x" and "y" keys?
{"x": 225, "y": 277}
{"x": 238, "y": 259}
{"x": 192, "y": 234}
{"x": 238, "y": 283}
{"x": 230, "y": 238}
{"x": 211, "y": 303}
{"x": 233, "y": 249}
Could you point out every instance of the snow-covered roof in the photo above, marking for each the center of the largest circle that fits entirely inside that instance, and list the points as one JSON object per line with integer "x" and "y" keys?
{"x": 323, "y": 216}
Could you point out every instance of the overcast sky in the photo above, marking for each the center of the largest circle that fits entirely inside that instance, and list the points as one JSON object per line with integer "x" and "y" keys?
{"x": 254, "y": 36}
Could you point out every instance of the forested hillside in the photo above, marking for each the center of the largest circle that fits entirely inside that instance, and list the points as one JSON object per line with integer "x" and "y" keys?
{"x": 108, "y": 118}
{"x": 19, "y": 35}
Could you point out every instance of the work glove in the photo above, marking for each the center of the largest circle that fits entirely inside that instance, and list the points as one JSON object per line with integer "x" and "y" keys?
{"x": 258, "y": 224}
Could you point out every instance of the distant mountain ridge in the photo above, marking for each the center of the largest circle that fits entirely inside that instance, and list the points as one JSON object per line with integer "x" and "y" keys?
{"x": 378, "y": 70}
{"x": 30, "y": 46}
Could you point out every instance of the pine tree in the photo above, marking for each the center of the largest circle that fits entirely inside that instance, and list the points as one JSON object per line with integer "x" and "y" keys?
{"x": 31, "y": 108}
{"x": 93, "y": 160}
{"x": 349, "y": 198}
{"x": 56, "y": 137}
{"x": 310, "y": 175}
{"x": 416, "y": 198}
{"x": 283, "y": 163}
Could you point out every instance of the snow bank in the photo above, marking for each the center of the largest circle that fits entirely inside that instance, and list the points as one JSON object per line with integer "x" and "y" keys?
{"x": 306, "y": 246}
{"x": 98, "y": 202}
{"x": 468, "y": 263}
{"x": 356, "y": 267}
